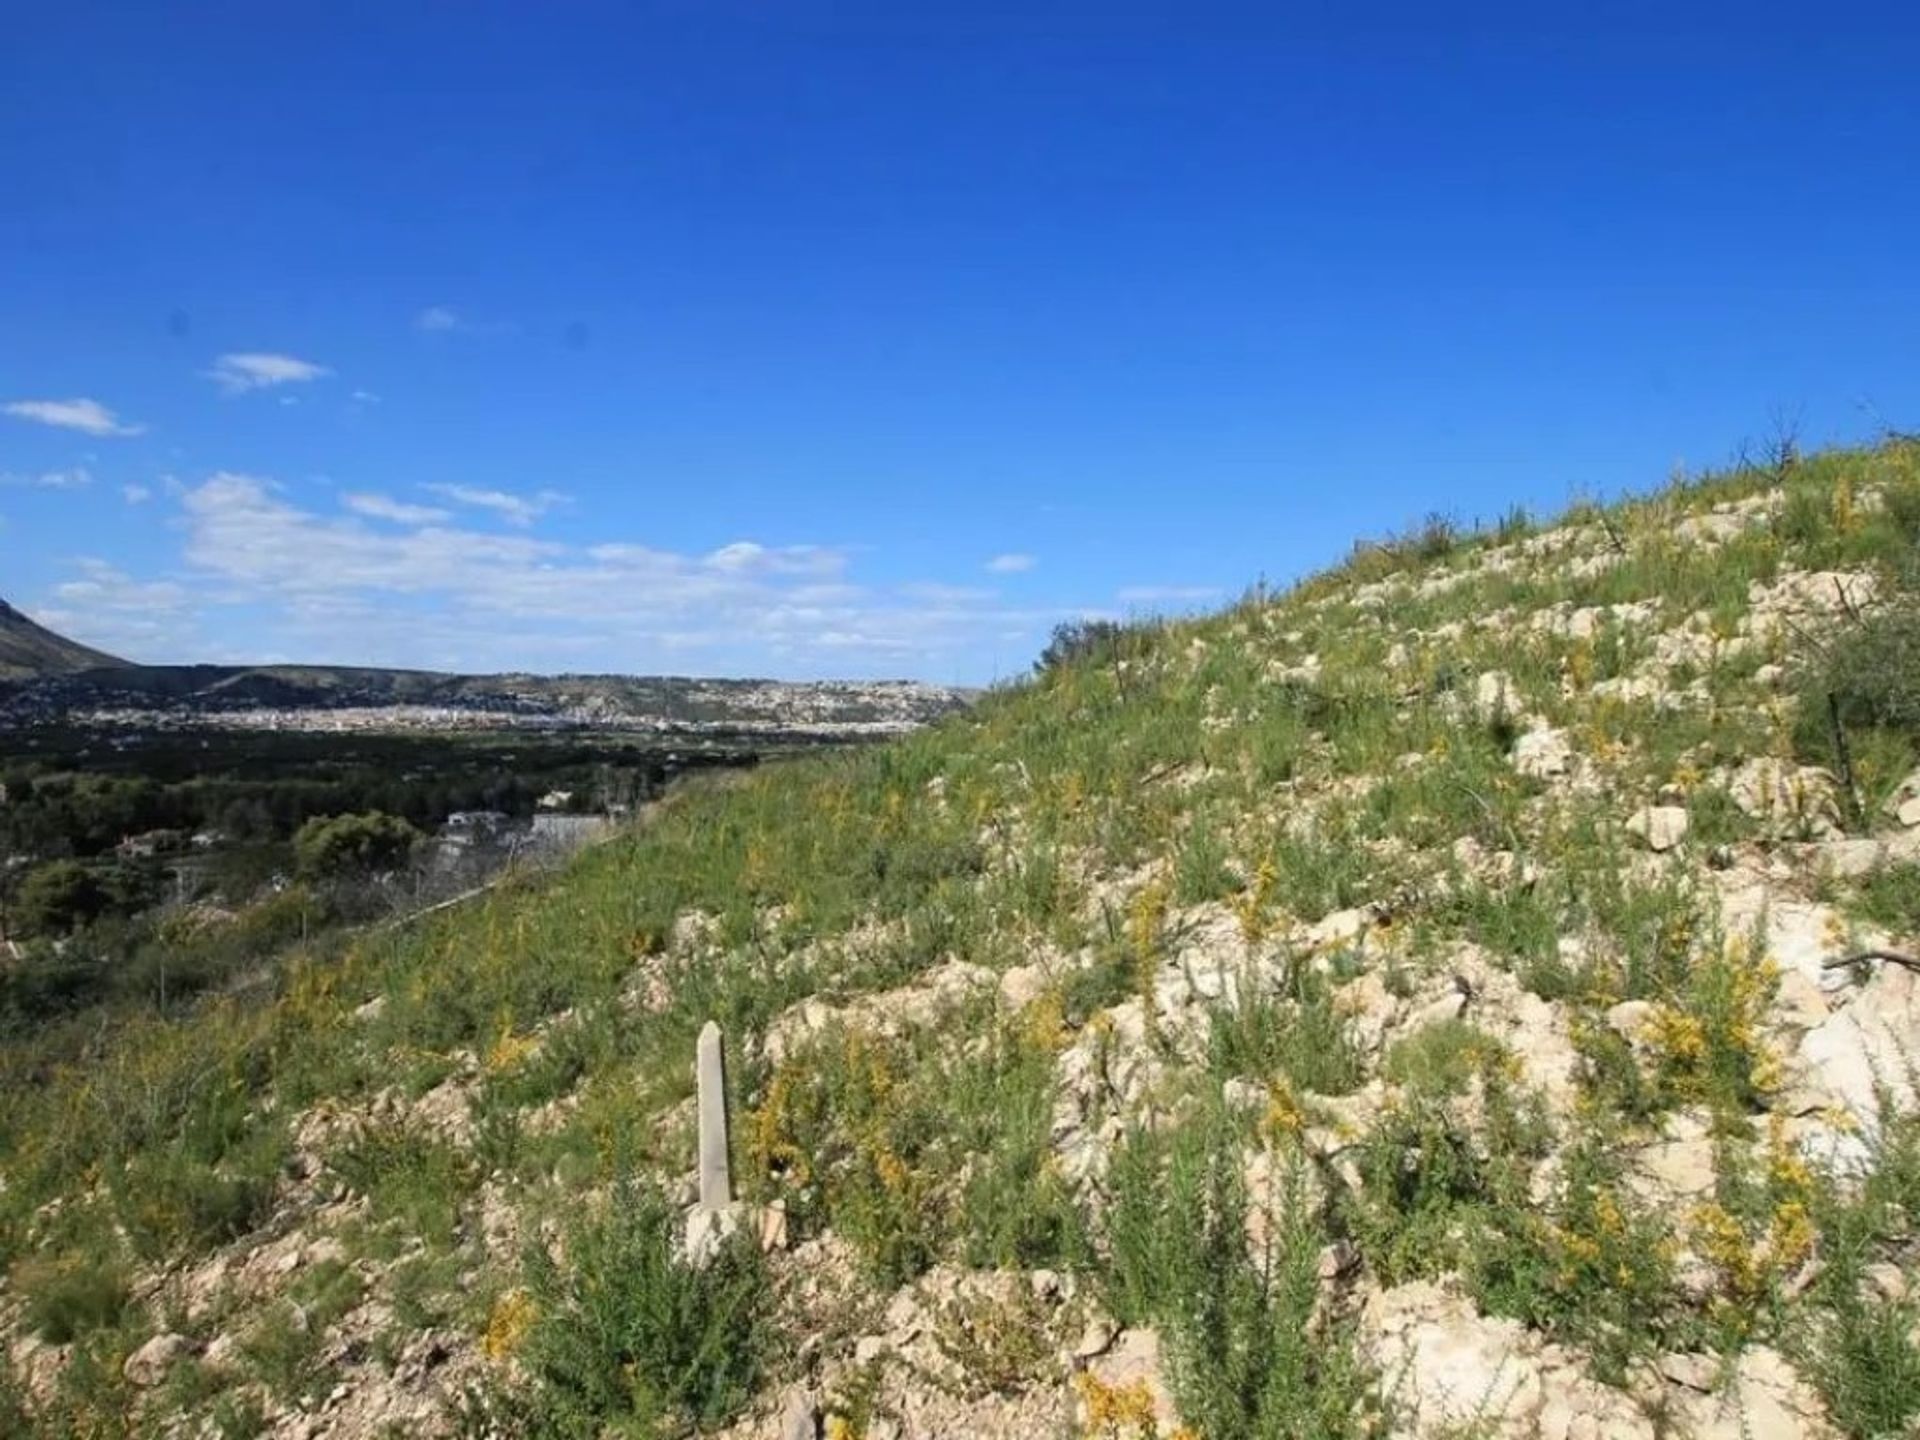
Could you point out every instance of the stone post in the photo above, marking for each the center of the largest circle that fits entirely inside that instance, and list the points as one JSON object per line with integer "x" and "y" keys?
{"x": 716, "y": 1178}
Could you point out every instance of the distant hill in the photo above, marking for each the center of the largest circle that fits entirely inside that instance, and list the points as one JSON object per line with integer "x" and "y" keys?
{"x": 28, "y": 650}
{"x": 46, "y": 678}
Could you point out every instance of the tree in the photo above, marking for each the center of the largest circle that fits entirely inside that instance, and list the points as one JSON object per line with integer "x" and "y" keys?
{"x": 58, "y": 898}
{"x": 1079, "y": 640}
{"x": 333, "y": 847}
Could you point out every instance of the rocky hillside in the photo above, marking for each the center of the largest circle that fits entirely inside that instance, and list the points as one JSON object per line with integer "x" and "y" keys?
{"x": 28, "y": 649}
{"x": 1470, "y": 994}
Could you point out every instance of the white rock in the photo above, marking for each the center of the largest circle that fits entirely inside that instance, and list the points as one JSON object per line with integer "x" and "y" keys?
{"x": 149, "y": 1365}
{"x": 1542, "y": 754}
{"x": 1343, "y": 927}
{"x": 1659, "y": 827}
{"x": 1456, "y": 1372}
{"x": 1135, "y": 1359}
{"x": 1785, "y": 797}
{"x": 1873, "y": 1042}
{"x": 1764, "y": 1400}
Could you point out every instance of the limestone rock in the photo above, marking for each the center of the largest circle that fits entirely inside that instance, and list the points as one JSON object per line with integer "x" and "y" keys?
{"x": 1763, "y": 1400}
{"x": 1787, "y": 798}
{"x": 801, "y": 1420}
{"x": 1676, "y": 1170}
{"x": 1872, "y": 1042}
{"x": 1454, "y": 1371}
{"x": 1542, "y": 754}
{"x": 1659, "y": 827}
{"x": 150, "y": 1364}
{"x": 1135, "y": 1360}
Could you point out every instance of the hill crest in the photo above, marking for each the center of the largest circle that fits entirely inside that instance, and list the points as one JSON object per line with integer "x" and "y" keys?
{"x": 29, "y": 649}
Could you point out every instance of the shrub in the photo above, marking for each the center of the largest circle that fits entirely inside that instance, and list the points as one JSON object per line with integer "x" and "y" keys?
{"x": 1298, "y": 1035}
{"x": 58, "y": 898}
{"x": 340, "y": 846}
{"x": 630, "y": 1337}
{"x": 1247, "y": 1356}
{"x": 1868, "y": 675}
{"x": 67, "y": 1299}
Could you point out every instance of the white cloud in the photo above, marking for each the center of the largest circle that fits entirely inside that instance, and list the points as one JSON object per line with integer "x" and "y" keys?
{"x": 109, "y": 608}
{"x": 1012, "y": 564}
{"x": 746, "y": 557}
{"x": 365, "y": 397}
{"x": 1167, "y": 594}
{"x": 385, "y": 507}
{"x": 255, "y": 370}
{"x": 76, "y": 478}
{"x": 514, "y": 509}
{"x": 359, "y": 585}
{"x": 89, "y": 417}
{"x": 437, "y": 319}
{"x": 136, "y": 494}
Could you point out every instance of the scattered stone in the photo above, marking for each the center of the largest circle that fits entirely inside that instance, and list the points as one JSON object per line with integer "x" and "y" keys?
{"x": 1786, "y": 798}
{"x": 1096, "y": 1339}
{"x": 1134, "y": 1360}
{"x": 1542, "y": 754}
{"x": 151, "y": 1363}
{"x": 1659, "y": 827}
{"x": 802, "y": 1418}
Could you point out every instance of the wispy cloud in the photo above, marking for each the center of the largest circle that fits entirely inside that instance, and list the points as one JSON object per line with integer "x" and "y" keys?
{"x": 379, "y": 582}
{"x": 89, "y": 417}
{"x": 438, "y": 320}
{"x": 107, "y": 607}
{"x": 256, "y": 370}
{"x": 515, "y": 509}
{"x": 77, "y": 478}
{"x": 1011, "y": 564}
{"x": 385, "y": 507}
{"x": 136, "y": 494}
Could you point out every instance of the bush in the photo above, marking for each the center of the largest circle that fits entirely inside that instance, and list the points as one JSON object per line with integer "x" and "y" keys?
{"x": 1868, "y": 677}
{"x": 65, "y": 1300}
{"x": 340, "y": 846}
{"x": 630, "y": 1338}
{"x": 1247, "y": 1355}
{"x": 60, "y": 897}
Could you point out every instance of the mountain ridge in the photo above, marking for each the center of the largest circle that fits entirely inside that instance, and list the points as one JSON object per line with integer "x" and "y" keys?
{"x": 29, "y": 650}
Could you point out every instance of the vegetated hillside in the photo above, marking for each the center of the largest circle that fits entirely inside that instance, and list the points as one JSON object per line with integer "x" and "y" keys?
{"x": 28, "y": 649}
{"x": 1405, "y": 1005}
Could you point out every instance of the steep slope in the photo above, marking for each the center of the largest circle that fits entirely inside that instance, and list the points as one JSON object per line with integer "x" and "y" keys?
{"x": 1448, "y": 998}
{"x": 27, "y": 649}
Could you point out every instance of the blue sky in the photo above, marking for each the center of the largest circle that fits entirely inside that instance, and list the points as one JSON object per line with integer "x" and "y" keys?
{"x": 848, "y": 339}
